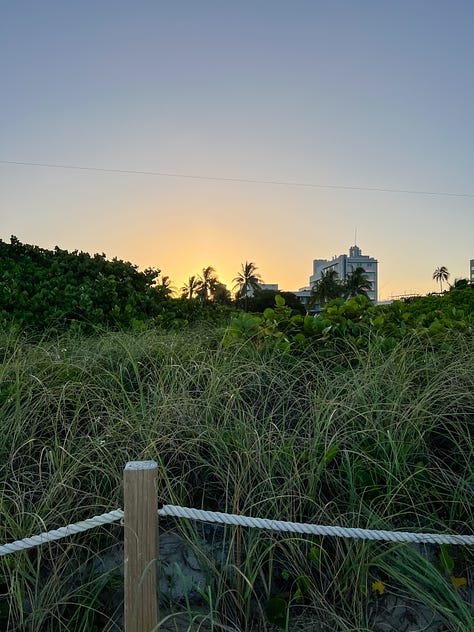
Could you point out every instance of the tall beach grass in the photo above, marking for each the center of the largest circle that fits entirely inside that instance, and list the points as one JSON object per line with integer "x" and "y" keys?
{"x": 365, "y": 439}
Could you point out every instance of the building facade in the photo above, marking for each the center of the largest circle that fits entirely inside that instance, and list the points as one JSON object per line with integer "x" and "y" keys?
{"x": 345, "y": 264}
{"x": 262, "y": 286}
{"x": 471, "y": 268}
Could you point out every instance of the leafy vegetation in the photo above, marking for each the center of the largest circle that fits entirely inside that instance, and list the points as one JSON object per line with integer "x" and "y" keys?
{"x": 264, "y": 299}
{"x": 367, "y": 437}
{"x": 357, "y": 283}
{"x": 56, "y": 290}
{"x": 360, "y": 416}
{"x": 356, "y": 322}
{"x": 327, "y": 288}
{"x": 330, "y": 286}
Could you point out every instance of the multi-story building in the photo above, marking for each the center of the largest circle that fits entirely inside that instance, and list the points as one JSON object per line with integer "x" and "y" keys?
{"x": 472, "y": 271}
{"x": 345, "y": 264}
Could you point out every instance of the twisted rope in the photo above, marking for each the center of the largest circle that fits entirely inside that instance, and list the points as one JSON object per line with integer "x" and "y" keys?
{"x": 62, "y": 532}
{"x": 244, "y": 521}
{"x": 313, "y": 529}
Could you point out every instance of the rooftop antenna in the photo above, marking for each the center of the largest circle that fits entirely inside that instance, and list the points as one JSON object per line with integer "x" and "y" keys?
{"x": 355, "y": 236}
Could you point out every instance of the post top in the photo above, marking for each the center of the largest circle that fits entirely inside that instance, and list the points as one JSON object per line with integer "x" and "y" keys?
{"x": 141, "y": 465}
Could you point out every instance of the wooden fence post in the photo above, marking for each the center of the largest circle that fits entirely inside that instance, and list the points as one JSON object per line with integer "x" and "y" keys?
{"x": 140, "y": 546}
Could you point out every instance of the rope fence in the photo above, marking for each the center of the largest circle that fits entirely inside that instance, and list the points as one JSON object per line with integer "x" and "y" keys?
{"x": 217, "y": 517}
{"x": 62, "y": 532}
{"x": 313, "y": 529}
{"x": 140, "y": 520}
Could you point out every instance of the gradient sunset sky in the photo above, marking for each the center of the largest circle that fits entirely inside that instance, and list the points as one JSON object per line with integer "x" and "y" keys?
{"x": 347, "y": 96}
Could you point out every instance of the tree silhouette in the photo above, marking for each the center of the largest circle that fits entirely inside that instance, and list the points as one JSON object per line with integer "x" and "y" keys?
{"x": 327, "y": 288}
{"x": 247, "y": 279}
{"x": 441, "y": 274}
{"x": 221, "y": 294}
{"x": 356, "y": 283}
{"x": 190, "y": 289}
{"x": 207, "y": 284}
{"x": 461, "y": 284}
{"x": 164, "y": 285}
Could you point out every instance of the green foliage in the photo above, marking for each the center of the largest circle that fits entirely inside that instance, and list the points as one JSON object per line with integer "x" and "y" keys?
{"x": 266, "y": 298}
{"x": 42, "y": 289}
{"x": 357, "y": 323}
{"x": 274, "y": 328}
{"x": 357, "y": 283}
{"x": 381, "y": 439}
{"x": 349, "y": 417}
{"x": 330, "y": 287}
{"x": 58, "y": 290}
{"x": 446, "y": 561}
{"x": 276, "y": 611}
{"x": 327, "y": 288}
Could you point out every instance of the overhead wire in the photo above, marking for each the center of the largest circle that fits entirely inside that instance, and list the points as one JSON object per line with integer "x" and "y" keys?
{"x": 286, "y": 183}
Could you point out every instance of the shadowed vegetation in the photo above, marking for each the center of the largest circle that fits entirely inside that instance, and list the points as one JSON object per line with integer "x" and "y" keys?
{"x": 368, "y": 438}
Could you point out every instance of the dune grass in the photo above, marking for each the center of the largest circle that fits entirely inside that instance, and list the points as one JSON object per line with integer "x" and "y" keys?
{"x": 362, "y": 438}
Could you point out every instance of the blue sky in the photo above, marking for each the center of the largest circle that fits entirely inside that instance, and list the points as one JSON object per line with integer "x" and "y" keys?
{"x": 369, "y": 94}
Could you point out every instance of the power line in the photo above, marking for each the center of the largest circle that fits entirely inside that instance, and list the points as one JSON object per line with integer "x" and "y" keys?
{"x": 310, "y": 185}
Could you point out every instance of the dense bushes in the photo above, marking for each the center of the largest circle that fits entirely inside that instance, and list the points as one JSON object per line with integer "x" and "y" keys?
{"x": 41, "y": 288}
{"x": 55, "y": 289}
{"x": 358, "y": 322}
{"x": 360, "y": 416}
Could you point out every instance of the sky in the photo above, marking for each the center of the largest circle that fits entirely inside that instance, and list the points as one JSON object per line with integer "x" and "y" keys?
{"x": 278, "y": 124}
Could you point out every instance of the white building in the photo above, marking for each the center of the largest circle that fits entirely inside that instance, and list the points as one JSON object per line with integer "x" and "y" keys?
{"x": 268, "y": 286}
{"x": 344, "y": 265}
{"x": 262, "y": 286}
{"x": 472, "y": 271}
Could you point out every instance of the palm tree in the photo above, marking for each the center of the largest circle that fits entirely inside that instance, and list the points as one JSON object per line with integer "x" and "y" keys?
{"x": 356, "y": 283}
{"x": 164, "y": 285}
{"x": 441, "y": 274}
{"x": 190, "y": 288}
{"x": 326, "y": 288}
{"x": 247, "y": 281}
{"x": 207, "y": 284}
